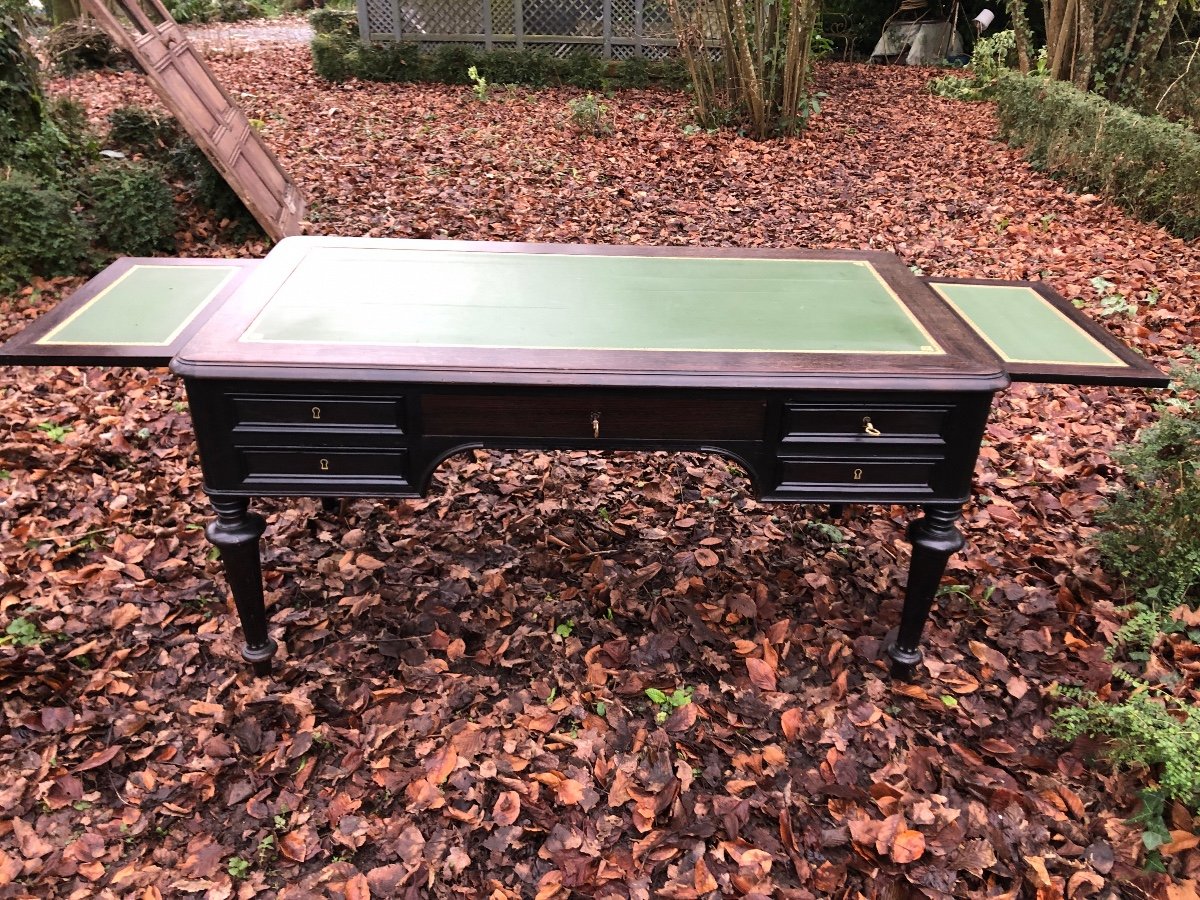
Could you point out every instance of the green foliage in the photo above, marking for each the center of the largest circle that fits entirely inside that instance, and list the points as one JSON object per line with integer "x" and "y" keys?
{"x": 590, "y": 116}
{"x": 210, "y": 190}
{"x": 56, "y": 433}
{"x": 338, "y": 56}
{"x": 20, "y": 89}
{"x": 988, "y": 60}
{"x": 667, "y": 703}
{"x": 132, "y": 207}
{"x": 1151, "y": 529}
{"x": 333, "y": 21}
{"x": 60, "y": 146}
{"x": 479, "y": 85}
{"x": 1142, "y": 730}
{"x": 21, "y": 632}
{"x": 1148, "y": 164}
{"x": 200, "y": 11}
{"x": 40, "y": 234}
{"x": 135, "y": 129}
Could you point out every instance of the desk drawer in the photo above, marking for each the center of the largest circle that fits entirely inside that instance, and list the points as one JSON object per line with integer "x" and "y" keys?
{"x": 281, "y": 462}
{"x": 868, "y": 422}
{"x": 603, "y": 417}
{"x": 858, "y": 474}
{"x": 374, "y": 413}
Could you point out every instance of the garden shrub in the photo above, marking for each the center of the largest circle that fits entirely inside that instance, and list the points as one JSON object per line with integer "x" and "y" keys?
{"x": 1147, "y": 164}
{"x": 136, "y": 129}
{"x": 132, "y": 207}
{"x": 60, "y": 146}
{"x": 333, "y": 21}
{"x": 40, "y": 234}
{"x": 338, "y": 55}
{"x": 1142, "y": 730}
{"x": 1151, "y": 529}
{"x": 210, "y": 190}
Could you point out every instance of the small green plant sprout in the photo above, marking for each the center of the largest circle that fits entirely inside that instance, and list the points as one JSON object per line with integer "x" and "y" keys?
{"x": 57, "y": 433}
{"x": 1112, "y": 302}
{"x": 589, "y": 116}
{"x": 23, "y": 633}
{"x": 601, "y": 708}
{"x": 479, "y": 85}
{"x": 564, "y": 629}
{"x": 238, "y": 868}
{"x": 668, "y": 703}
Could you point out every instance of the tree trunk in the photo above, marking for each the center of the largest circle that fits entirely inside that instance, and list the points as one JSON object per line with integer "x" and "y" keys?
{"x": 1021, "y": 33}
{"x": 1063, "y": 48}
{"x": 1152, "y": 39}
{"x": 1084, "y": 56}
{"x": 64, "y": 11}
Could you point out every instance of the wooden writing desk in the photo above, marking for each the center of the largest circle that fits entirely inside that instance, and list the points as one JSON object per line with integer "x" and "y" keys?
{"x": 353, "y": 367}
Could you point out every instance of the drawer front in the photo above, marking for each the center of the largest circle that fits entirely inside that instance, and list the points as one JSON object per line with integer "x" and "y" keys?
{"x": 593, "y": 417}
{"x": 859, "y": 474}
{"x": 275, "y": 462}
{"x": 375, "y": 413}
{"x": 880, "y": 422}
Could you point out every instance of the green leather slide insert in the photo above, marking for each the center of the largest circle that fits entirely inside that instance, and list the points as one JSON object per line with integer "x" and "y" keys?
{"x": 1022, "y": 326}
{"x": 444, "y": 298}
{"x": 148, "y": 306}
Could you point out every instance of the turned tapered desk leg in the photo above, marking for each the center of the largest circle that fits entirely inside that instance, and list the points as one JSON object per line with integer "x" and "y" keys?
{"x": 934, "y": 538}
{"x": 236, "y": 532}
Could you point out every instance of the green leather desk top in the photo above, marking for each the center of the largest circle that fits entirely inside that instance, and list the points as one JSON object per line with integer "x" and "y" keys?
{"x": 1022, "y": 327}
{"x": 148, "y": 306}
{"x": 408, "y": 297}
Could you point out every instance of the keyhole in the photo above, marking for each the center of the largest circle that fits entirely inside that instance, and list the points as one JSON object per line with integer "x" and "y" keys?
{"x": 595, "y": 425}
{"x": 324, "y": 465}
{"x": 858, "y": 474}
{"x": 316, "y": 413}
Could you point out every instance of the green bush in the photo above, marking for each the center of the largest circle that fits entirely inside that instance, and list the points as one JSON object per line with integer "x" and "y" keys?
{"x": 1142, "y": 730}
{"x": 39, "y": 231}
{"x": 333, "y": 21}
{"x": 338, "y": 55}
{"x": 1151, "y": 529}
{"x": 136, "y": 129}
{"x": 210, "y": 190}
{"x": 1147, "y": 164}
{"x": 132, "y": 207}
{"x": 61, "y": 145}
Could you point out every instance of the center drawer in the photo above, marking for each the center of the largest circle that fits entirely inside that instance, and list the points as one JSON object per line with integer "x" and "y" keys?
{"x": 596, "y": 416}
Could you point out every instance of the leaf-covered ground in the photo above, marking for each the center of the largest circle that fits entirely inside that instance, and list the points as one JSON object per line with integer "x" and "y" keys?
{"x": 460, "y": 709}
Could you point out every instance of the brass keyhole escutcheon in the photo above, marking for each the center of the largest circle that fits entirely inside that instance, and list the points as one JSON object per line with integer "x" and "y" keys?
{"x": 596, "y": 425}
{"x": 316, "y": 413}
{"x": 324, "y": 465}
{"x": 858, "y": 474}
{"x": 869, "y": 428}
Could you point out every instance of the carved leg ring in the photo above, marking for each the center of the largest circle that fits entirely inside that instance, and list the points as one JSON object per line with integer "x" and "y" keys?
{"x": 236, "y": 532}
{"x": 934, "y": 539}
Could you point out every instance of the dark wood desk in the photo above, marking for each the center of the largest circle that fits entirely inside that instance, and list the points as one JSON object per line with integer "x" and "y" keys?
{"x": 353, "y": 367}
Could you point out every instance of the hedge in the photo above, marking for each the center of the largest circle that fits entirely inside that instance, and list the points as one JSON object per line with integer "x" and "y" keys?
{"x": 1149, "y": 165}
{"x": 339, "y": 55}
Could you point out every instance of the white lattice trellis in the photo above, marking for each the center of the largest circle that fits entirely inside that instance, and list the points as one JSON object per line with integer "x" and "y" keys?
{"x": 612, "y": 29}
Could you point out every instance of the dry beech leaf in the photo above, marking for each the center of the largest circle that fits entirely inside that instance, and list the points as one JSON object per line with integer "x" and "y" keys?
{"x": 507, "y": 808}
{"x": 908, "y": 846}
{"x": 761, "y": 674}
